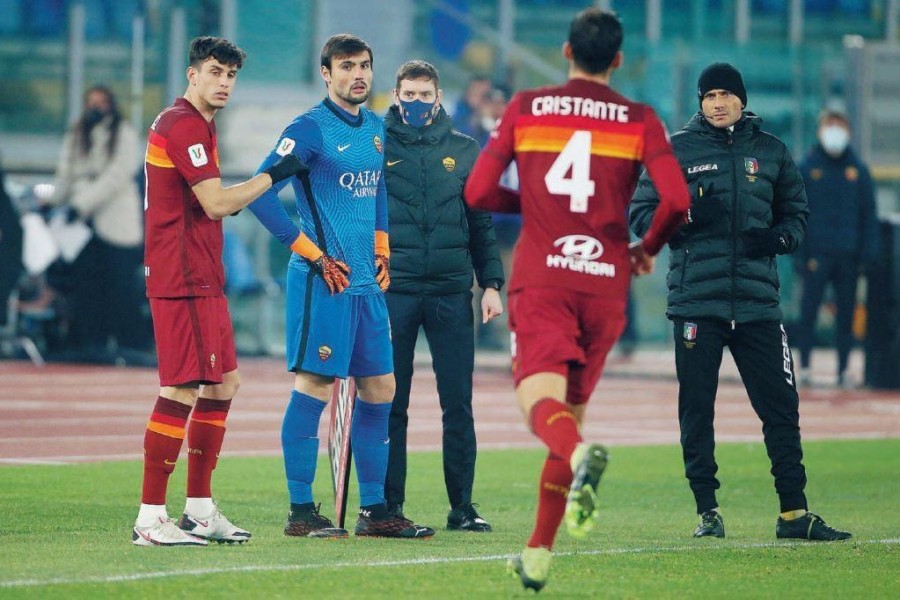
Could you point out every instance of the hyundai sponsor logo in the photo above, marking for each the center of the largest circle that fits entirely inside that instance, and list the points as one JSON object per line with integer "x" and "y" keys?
{"x": 579, "y": 253}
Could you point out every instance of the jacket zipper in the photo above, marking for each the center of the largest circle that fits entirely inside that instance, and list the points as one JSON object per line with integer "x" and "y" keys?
{"x": 734, "y": 212}
{"x": 425, "y": 231}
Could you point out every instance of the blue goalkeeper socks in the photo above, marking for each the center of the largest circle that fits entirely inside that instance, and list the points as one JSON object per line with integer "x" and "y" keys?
{"x": 300, "y": 444}
{"x": 369, "y": 441}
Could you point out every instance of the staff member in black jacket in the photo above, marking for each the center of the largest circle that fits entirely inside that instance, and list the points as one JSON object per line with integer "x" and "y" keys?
{"x": 748, "y": 204}
{"x": 842, "y": 235}
{"x": 436, "y": 241}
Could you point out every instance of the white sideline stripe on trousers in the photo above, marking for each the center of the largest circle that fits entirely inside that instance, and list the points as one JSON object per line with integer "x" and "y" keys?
{"x": 407, "y": 562}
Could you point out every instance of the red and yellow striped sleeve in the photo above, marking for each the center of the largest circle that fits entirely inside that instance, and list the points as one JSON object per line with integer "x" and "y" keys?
{"x": 156, "y": 152}
{"x": 622, "y": 142}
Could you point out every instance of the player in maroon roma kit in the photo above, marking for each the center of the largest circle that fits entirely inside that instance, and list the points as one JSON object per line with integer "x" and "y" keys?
{"x": 578, "y": 150}
{"x": 184, "y": 205}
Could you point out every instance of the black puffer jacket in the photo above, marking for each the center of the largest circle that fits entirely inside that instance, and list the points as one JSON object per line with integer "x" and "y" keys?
{"x": 843, "y": 220}
{"x": 436, "y": 240}
{"x": 748, "y": 180}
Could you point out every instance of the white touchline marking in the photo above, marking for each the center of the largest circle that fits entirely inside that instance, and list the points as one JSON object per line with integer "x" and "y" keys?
{"x": 414, "y": 562}
{"x": 35, "y": 461}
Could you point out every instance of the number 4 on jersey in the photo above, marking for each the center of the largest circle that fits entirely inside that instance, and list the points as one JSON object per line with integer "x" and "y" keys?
{"x": 576, "y": 155}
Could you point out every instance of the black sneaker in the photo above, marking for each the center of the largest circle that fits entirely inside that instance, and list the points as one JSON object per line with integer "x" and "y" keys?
{"x": 809, "y": 527}
{"x": 376, "y": 521}
{"x": 466, "y": 518}
{"x": 711, "y": 525}
{"x": 304, "y": 520}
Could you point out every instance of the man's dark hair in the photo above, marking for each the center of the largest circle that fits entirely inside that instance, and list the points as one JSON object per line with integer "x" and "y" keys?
{"x": 417, "y": 69}
{"x": 205, "y": 47}
{"x": 343, "y": 44}
{"x": 595, "y": 37}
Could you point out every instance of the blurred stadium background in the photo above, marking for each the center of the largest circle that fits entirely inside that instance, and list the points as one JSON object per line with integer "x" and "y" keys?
{"x": 796, "y": 57}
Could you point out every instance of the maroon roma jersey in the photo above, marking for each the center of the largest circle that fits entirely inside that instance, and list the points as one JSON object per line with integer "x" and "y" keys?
{"x": 183, "y": 247}
{"x": 578, "y": 150}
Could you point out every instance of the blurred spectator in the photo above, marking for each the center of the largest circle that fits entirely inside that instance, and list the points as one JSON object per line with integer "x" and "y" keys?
{"x": 95, "y": 184}
{"x": 628, "y": 341}
{"x": 841, "y": 236}
{"x": 489, "y": 112}
{"x": 10, "y": 247}
{"x": 466, "y": 114}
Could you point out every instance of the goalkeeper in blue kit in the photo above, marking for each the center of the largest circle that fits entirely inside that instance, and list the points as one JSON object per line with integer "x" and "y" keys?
{"x": 337, "y": 320}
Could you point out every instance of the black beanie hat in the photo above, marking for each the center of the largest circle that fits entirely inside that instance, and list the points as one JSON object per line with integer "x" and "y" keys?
{"x": 721, "y": 76}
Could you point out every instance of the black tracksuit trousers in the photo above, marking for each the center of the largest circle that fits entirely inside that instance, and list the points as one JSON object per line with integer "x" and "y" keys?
{"x": 764, "y": 360}
{"x": 448, "y": 322}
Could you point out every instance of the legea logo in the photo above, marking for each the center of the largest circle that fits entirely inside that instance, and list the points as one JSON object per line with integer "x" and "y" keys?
{"x": 579, "y": 253}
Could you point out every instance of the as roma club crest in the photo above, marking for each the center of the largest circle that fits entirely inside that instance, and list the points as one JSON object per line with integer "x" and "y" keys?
{"x": 324, "y": 353}
{"x": 751, "y": 167}
{"x": 377, "y": 141}
{"x": 690, "y": 334}
{"x": 449, "y": 163}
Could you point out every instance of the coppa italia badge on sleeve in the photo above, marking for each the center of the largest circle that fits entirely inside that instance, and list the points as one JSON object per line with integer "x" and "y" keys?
{"x": 690, "y": 334}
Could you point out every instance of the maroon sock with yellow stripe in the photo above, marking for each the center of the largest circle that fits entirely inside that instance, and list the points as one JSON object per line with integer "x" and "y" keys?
{"x": 554, "y": 423}
{"x": 555, "y": 480}
{"x": 204, "y": 438}
{"x": 162, "y": 442}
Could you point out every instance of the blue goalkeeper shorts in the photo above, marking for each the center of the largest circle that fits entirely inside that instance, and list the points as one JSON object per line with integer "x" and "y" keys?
{"x": 336, "y": 335}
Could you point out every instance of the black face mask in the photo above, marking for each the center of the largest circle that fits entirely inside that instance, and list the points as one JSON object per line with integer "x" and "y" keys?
{"x": 92, "y": 116}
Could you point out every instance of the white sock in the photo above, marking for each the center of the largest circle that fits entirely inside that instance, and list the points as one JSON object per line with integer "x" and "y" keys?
{"x": 199, "y": 507}
{"x": 149, "y": 514}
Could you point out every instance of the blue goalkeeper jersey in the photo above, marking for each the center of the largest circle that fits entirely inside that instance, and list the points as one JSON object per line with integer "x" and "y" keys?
{"x": 348, "y": 200}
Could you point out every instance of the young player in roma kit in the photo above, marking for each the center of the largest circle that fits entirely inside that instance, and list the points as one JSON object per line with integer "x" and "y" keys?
{"x": 184, "y": 205}
{"x": 337, "y": 319}
{"x": 578, "y": 148}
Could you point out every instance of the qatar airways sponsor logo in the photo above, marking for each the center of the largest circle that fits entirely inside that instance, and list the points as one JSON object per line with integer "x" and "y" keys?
{"x": 362, "y": 184}
{"x": 579, "y": 253}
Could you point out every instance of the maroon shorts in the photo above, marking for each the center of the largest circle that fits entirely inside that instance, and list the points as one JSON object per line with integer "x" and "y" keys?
{"x": 194, "y": 339}
{"x": 565, "y": 332}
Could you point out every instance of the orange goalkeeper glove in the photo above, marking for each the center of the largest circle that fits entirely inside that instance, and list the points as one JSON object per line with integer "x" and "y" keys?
{"x": 382, "y": 271}
{"x": 382, "y": 259}
{"x": 334, "y": 272}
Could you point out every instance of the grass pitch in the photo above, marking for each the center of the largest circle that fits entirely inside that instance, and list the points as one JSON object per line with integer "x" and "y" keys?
{"x": 65, "y": 532}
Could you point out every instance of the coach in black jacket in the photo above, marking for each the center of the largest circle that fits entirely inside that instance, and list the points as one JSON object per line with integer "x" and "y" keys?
{"x": 436, "y": 241}
{"x": 748, "y": 204}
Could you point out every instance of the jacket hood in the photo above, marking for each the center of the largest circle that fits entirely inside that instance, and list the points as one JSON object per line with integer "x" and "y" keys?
{"x": 429, "y": 134}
